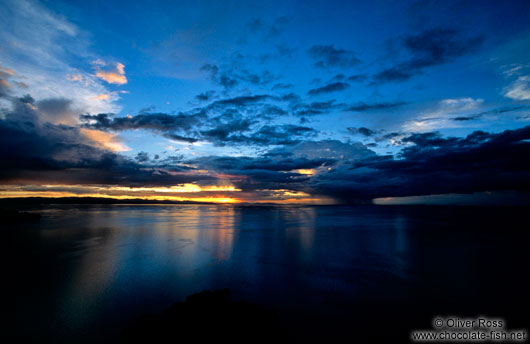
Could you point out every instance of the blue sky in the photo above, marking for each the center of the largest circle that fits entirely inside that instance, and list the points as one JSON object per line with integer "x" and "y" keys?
{"x": 168, "y": 85}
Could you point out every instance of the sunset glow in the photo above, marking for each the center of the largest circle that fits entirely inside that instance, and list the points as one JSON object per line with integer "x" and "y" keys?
{"x": 252, "y": 102}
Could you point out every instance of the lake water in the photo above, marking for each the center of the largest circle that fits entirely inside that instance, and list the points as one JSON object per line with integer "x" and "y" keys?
{"x": 83, "y": 272}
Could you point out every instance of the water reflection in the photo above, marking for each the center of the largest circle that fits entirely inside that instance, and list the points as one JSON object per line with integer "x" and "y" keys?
{"x": 107, "y": 264}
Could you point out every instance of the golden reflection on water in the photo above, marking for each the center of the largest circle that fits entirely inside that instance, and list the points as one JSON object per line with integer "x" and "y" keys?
{"x": 115, "y": 254}
{"x": 300, "y": 226}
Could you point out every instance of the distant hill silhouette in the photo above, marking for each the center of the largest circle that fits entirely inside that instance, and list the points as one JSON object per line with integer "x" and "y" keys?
{"x": 88, "y": 200}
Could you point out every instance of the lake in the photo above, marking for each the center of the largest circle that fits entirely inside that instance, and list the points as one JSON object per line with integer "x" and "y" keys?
{"x": 84, "y": 272}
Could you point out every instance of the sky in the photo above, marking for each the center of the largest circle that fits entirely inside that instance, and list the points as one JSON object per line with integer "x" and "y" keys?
{"x": 318, "y": 102}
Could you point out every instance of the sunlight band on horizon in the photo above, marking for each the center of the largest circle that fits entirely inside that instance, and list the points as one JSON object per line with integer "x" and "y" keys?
{"x": 193, "y": 193}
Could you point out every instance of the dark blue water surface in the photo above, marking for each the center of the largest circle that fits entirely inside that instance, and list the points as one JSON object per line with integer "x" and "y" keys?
{"x": 83, "y": 272}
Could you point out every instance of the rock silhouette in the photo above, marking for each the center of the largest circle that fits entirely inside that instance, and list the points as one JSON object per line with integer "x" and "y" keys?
{"x": 207, "y": 316}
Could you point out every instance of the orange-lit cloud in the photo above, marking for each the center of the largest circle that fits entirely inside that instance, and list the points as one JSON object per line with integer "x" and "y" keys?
{"x": 113, "y": 76}
{"x": 75, "y": 77}
{"x": 184, "y": 188}
{"x": 102, "y": 96}
{"x": 7, "y": 71}
{"x": 308, "y": 172}
{"x": 105, "y": 140}
{"x": 5, "y": 83}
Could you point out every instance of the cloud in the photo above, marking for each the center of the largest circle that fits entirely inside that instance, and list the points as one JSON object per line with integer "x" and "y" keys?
{"x": 101, "y": 96}
{"x": 519, "y": 89}
{"x": 7, "y": 83}
{"x": 205, "y": 96}
{"x": 429, "y": 48}
{"x": 56, "y": 110}
{"x": 361, "y": 131}
{"x": 227, "y": 128}
{"x": 316, "y": 108}
{"x": 285, "y": 167}
{"x": 115, "y": 75}
{"x": 432, "y": 164}
{"x": 497, "y": 111}
{"x": 40, "y": 152}
{"x": 358, "y": 77}
{"x": 327, "y": 56}
{"x": 6, "y": 72}
{"x": 233, "y": 75}
{"x": 286, "y": 134}
{"x": 39, "y": 47}
{"x": 142, "y": 157}
{"x": 329, "y": 88}
{"x": 179, "y": 127}
{"x": 440, "y": 115}
{"x": 362, "y": 107}
{"x": 33, "y": 150}
{"x": 224, "y": 131}
{"x": 241, "y": 101}
{"x": 104, "y": 140}
{"x": 325, "y": 149}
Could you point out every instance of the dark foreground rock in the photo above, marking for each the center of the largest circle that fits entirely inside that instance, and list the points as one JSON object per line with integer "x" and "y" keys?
{"x": 207, "y": 316}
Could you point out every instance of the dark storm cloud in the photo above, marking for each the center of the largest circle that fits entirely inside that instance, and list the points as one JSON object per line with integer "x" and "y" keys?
{"x": 254, "y": 174}
{"x": 327, "y": 56}
{"x": 276, "y": 168}
{"x": 429, "y": 48}
{"x": 239, "y": 164}
{"x": 466, "y": 118}
{"x": 227, "y": 128}
{"x": 179, "y": 127}
{"x": 154, "y": 121}
{"x": 223, "y": 132}
{"x": 362, "y": 107}
{"x": 142, "y": 157}
{"x": 224, "y": 121}
{"x": 287, "y": 134}
{"x": 329, "y": 88}
{"x": 32, "y": 150}
{"x": 437, "y": 165}
{"x": 429, "y": 163}
{"x": 286, "y": 164}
